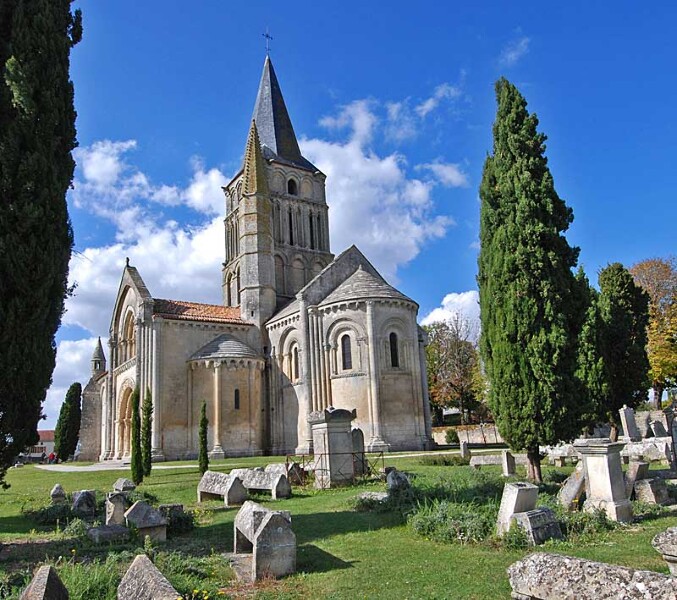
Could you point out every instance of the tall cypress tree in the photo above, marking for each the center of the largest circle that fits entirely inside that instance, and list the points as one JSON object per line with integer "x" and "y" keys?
{"x": 528, "y": 294}
{"x": 146, "y": 432}
{"x": 37, "y": 134}
{"x": 203, "y": 456}
{"x": 68, "y": 425}
{"x": 137, "y": 461}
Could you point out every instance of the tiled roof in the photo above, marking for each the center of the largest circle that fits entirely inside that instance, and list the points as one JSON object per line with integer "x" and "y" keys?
{"x": 46, "y": 435}
{"x": 361, "y": 285}
{"x": 224, "y": 346}
{"x": 193, "y": 311}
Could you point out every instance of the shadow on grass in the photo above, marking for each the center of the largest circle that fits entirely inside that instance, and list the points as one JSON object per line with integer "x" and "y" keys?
{"x": 312, "y": 559}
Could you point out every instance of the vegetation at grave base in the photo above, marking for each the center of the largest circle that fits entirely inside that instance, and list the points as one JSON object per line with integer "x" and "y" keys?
{"x": 146, "y": 433}
{"x": 342, "y": 553}
{"x": 37, "y": 134}
{"x": 658, "y": 278}
{"x": 530, "y": 304}
{"x": 137, "y": 459}
{"x": 67, "y": 428}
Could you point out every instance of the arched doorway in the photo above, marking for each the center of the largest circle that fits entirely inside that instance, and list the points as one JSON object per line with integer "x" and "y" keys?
{"x": 124, "y": 433}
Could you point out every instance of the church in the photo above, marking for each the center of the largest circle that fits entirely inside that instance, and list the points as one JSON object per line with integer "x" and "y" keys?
{"x": 299, "y": 329}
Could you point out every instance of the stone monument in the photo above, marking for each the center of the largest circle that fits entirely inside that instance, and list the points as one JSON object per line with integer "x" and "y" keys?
{"x": 333, "y": 446}
{"x": 630, "y": 429}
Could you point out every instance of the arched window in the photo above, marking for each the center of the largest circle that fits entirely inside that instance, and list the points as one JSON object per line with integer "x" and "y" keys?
{"x": 295, "y": 363}
{"x": 292, "y": 188}
{"x": 346, "y": 353}
{"x": 312, "y": 231}
{"x": 291, "y": 228}
{"x": 394, "y": 355}
{"x": 236, "y": 403}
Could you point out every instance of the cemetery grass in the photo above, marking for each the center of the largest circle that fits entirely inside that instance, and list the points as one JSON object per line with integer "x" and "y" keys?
{"x": 342, "y": 553}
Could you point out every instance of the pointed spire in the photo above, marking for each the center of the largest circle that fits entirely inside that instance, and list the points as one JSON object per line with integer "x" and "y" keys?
{"x": 98, "y": 359}
{"x": 254, "y": 176}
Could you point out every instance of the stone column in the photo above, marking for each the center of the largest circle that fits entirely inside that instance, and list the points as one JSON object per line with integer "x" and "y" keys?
{"x": 312, "y": 350}
{"x": 156, "y": 450}
{"x": 427, "y": 418}
{"x": 217, "y": 450}
{"x": 604, "y": 482}
{"x": 376, "y": 443}
{"x": 304, "y": 441}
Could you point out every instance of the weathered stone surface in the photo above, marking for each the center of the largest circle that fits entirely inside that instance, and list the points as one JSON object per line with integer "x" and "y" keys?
{"x": 143, "y": 581}
{"x": 651, "y": 449}
{"x": 116, "y": 505}
{"x": 652, "y": 491}
{"x": 539, "y": 524}
{"x": 124, "y": 485}
{"x": 465, "y": 451}
{"x": 84, "y": 502}
{"x": 665, "y": 543}
{"x": 45, "y": 585}
{"x": 572, "y": 489}
{"x": 507, "y": 463}
{"x": 333, "y": 446}
{"x": 604, "y": 482}
{"x": 396, "y": 481}
{"x": 58, "y": 494}
{"x": 108, "y": 533}
{"x": 542, "y": 576}
{"x": 219, "y": 485}
{"x": 481, "y": 460}
{"x": 148, "y": 521}
{"x": 637, "y": 470}
{"x": 373, "y": 496}
{"x": 517, "y": 497}
{"x": 630, "y": 430}
{"x": 259, "y": 480}
{"x": 360, "y": 464}
{"x": 293, "y": 471}
{"x": 658, "y": 429}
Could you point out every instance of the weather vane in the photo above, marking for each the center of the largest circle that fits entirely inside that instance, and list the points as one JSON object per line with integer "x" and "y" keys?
{"x": 268, "y": 38}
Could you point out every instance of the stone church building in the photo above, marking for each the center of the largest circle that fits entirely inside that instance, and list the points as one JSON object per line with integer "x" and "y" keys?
{"x": 299, "y": 329}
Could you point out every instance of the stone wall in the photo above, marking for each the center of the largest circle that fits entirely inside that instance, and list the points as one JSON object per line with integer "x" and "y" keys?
{"x": 473, "y": 434}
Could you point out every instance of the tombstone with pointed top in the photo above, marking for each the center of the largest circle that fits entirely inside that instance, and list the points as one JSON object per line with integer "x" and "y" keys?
{"x": 45, "y": 585}
{"x": 144, "y": 581}
{"x": 148, "y": 521}
{"x": 116, "y": 505}
{"x": 629, "y": 424}
{"x": 58, "y": 494}
{"x": 84, "y": 503}
{"x": 124, "y": 485}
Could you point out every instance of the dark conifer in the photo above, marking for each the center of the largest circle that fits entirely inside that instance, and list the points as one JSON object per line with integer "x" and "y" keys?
{"x": 203, "y": 457}
{"x": 68, "y": 425}
{"x": 146, "y": 433}
{"x": 137, "y": 461}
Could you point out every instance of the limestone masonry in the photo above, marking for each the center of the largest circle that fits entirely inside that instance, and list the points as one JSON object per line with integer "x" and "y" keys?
{"x": 299, "y": 329}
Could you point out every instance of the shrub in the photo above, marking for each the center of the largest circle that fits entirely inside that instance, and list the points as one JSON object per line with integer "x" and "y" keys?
{"x": 76, "y": 528}
{"x": 515, "y": 538}
{"x": 444, "y": 460}
{"x": 446, "y": 521}
{"x": 451, "y": 436}
{"x": 579, "y": 523}
{"x": 50, "y": 514}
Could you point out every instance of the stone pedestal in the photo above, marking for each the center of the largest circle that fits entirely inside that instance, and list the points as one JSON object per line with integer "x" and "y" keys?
{"x": 517, "y": 498}
{"x": 630, "y": 428}
{"x": 333, "y": 446}
{"x": 604, "y": 482}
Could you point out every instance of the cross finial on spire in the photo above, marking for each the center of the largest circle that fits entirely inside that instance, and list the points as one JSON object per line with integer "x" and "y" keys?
{"x": 268, "y": 39}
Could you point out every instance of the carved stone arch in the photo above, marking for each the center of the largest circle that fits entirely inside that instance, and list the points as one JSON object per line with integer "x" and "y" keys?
{"x": 278, "y": 180}
{"x": 292, "y": 185}
{"x": 298, "y": 269}
{"x": 394, "y": 336}
{"x": 318, "y": 265}
{"x": 290, "y": 353}
{"x": 306, "y": 188}
{"x": 344, "y": 337}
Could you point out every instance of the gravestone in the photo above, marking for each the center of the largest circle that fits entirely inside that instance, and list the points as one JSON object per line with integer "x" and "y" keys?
{"x": 507, "y": 463}
{"x": 333, "y": 446}
{"x": 542, "y": 576}
{"x": 148, "y": 521}
{"x": 215, "y": 485}
{"x": 517, "y": 497}
{"x": 630, "y": 429}
{"x": 293, "y": 471}
{"x": 58, "y": 494}
{"x": 637, "y": 470}
{"x": 45, "y": 585}
{"x": 123, "y": 485}
{"x": 143, "y": 581}
{"x": 465, "y": 451}
{"x": 666, "y": 544}
{"x": 116, "y": 505}
{"x": 268, "y": 538}
{"x": 539, "y": 524}
{"x": 397, "y": 482}
{"x": 84, "y": 503}
{"x": 261, "y": 481}
{"x": 604, "y": 482}
{"x": 571, "y": 492}
{"x": 106, "y": 534}
{"x": 360, "y": 465}
{"x": 658, "y": 429}
{"x": 652, "y": 491}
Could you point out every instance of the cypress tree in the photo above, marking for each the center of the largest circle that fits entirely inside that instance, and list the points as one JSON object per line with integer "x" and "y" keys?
{"x": 624, "y": 312}
{"x": 37, "y": 134}
{"x": 68, "y": 425}
{"x": 528, "y": 294}
{"x": 137, "y": 462}
{"x": 146, "y": 432}
{"x": 203, "y": 457}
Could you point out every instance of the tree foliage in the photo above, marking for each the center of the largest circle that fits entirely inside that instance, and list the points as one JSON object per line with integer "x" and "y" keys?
{"x": 137, "y": 459}
{"x": 203, "y": 457}
{"x": 453, "y": 366}
{"x": 658, "y": 278}
{"x": 68, "y": 424}
{"x": 146, "y": 433}
{"x": 37, "y": 134}
{"x": 528, "y": 293}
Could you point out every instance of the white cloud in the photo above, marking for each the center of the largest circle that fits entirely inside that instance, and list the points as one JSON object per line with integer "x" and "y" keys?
{"x": 357, "y": 116}
{"x": 513, "y": 51}
{"x": 401, "y": 123}
{"x": 448, "y": 174}
{"x": 444, "y": 91}
{"x": 466, "y": 304}
{"x": 102, "y": 162}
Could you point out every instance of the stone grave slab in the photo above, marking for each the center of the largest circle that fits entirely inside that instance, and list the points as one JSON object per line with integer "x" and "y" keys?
{"x": 84, "y": 503}
{"x": 148, "y": 521}
{"x": 259, "y": 480}
{"x": 116, "y": 505}
{"x": 517, "y": 497}
{"x": 652, "y": 491}
{"x": 106, "y": 534}
{"x": 143, "y": 581}
{"x": 571, "y": 492}
{"x": 58, "y": 494}
{"x": 45, "y": 585}
{"x": 665, "y": 543}
{"x": 124, "y": 485}
{"x": 507, "y": 463}
{"x": 637, "y": 470}
{"x": 658, "y": 429}
{"x": 465, "y": 451}
{"x": 214, "y": 485}
{"x": 539, "y": 524}
{"x": 630, "y": 429}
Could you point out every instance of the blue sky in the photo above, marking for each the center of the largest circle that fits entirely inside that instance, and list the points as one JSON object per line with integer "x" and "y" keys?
{"x": 395, "y": 105}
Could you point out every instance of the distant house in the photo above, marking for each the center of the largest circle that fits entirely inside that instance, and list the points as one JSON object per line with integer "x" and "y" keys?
{"x": 46, "y": 445}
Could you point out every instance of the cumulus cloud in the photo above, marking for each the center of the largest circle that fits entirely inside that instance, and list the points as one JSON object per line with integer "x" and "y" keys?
{"x": 514, "y": 51}
{"x": 464, "y": 304}
{"x": 444, "y": 91}
{"x": 447, "y": 174}
{"x": 358, "y": 117}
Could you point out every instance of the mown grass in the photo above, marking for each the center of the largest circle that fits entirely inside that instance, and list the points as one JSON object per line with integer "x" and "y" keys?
{"x": 342, "y": 553}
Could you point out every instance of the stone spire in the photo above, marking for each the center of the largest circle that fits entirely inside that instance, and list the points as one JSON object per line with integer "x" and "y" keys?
{"x": 254, "y": 179}
{"x": 98, "y": 359}
{"x": 273, "y": 122}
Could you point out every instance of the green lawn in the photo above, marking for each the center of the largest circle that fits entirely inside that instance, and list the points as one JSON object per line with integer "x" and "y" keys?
{"x": 341, "y": 553}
